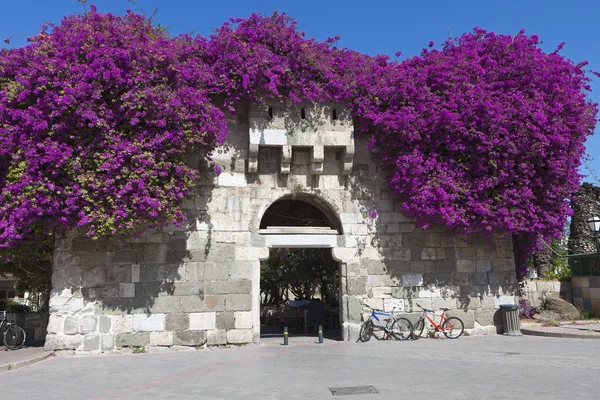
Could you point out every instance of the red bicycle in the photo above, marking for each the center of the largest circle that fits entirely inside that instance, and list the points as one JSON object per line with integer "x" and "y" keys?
{"x": 451, "y": 327}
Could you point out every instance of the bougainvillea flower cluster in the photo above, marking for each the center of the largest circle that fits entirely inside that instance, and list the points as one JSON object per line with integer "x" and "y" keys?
{"x": 98, "y": 116}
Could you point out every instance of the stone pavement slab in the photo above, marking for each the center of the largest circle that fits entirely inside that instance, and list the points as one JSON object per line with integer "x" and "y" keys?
{"x": 494, "y": 367}
{"x": 577, "y": 330}
{"x": 13, "y": 359}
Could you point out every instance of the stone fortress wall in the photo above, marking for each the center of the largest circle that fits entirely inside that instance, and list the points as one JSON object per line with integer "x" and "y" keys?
{"x": 198, "y": 283}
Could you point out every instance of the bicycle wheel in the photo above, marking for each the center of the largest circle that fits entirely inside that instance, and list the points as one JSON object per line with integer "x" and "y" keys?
{"x": 14, "y": 337}
{"x": 402, "y": 329}
{"x": 453, "y": 327}
{"x": 366, "y": 331}
{"x": 418, "y": 330}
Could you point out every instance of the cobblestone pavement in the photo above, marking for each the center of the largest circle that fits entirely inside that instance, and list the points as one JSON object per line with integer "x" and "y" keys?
{"x": 469, "y": 368}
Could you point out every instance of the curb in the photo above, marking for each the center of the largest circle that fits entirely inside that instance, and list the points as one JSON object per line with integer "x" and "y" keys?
{"x": 24, "y": 363}
{"x": 566, "y": 335}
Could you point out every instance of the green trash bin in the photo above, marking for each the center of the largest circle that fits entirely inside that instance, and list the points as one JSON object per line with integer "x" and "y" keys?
{"x": 510, "y": 319}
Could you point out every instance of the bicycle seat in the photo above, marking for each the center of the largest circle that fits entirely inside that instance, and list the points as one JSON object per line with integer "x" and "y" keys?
{"x": 444, "y": 309}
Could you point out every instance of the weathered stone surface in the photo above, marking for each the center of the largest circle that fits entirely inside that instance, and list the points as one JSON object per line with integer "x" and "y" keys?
{"x": 122, "y": 323}
{"x": 189, "y": 338}
{"x": 244, "y": 319}
{"x": 139, "y": 339}
{"x": 126, "y": 289}
{"x": 55, "y": 323}
{"x": 149, "y": 323}
{"x": 467, "y": 317}
{"x": 228, "y": 287}
{"x": 557, "y": 309}
{"x": 238, "y": 302}
{"x": 107, "y": 342}
{"x": 239, "y": 336}
{"x": 226, "y": 320}
{"x": 161, "y": 338}
{"x": 357, "y": 286}
{"x": 88, "y": 323}
{"x": 63, "y": 342}
{"x": 177, "y": 322}
{"x": 216, "y": 337}
{"x": 71, "y": 325}
{"x": 485, "y": 317}
{"x": 91, "y": 343}
{"x": 203, "y": 321}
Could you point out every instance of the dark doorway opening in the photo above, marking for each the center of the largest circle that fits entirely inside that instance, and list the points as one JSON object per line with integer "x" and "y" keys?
{"x": 300, "y": 290}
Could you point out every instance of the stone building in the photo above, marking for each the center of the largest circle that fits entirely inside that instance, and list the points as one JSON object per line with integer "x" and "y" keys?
{"x": 199, "y": 283}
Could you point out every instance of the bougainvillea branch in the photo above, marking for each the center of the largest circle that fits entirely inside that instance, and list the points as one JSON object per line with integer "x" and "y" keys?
{"x": 484, "y": 134}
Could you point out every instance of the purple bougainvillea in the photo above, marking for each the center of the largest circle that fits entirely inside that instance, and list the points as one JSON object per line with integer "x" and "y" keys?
{"x": 97, "y": 116}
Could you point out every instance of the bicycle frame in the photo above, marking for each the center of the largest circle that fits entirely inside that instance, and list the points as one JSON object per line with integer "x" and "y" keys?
{"x": 437, "y": 327}
{"x": 375, "y": 314}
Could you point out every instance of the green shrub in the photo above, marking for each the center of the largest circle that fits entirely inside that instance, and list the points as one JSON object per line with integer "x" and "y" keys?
{"x": 13, "y": 306}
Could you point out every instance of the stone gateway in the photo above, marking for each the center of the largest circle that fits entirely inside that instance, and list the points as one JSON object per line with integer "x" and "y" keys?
{"x": 199, "y": 283}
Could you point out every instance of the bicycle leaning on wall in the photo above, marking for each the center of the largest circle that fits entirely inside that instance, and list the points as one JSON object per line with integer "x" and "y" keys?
{"x": 451, "y": 327}
{"x": 398, "y": 328}
{"x": 14, "y": 335}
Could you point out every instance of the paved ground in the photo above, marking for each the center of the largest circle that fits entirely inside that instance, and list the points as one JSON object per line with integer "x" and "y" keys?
{"x": 493, "y": 367}
{"x": 573, "y": 329}
{"x": 13, "y": 359}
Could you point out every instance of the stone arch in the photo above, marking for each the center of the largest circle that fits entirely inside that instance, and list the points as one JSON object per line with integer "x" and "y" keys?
{"x": 326, "y": 206}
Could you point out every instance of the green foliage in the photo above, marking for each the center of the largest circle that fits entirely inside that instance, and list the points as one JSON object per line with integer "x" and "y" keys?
{"x": 138, "y": 349}
{"x": 13, "y": 306}
{"x": 303, "y": 272}
{"x": 560, "y": 265}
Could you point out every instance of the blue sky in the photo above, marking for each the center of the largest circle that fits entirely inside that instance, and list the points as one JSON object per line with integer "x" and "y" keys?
{"x": 374, "y": 27}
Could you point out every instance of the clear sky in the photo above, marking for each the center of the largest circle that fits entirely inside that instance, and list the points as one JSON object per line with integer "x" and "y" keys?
{"x": 374, "y": 27}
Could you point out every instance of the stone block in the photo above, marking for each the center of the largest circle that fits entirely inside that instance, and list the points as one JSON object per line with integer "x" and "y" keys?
{"x": 203, "y": 321}
{"x": 479, "y": 278}
{"x": 215, "y": 271}
{"x": 374, "y": 267}
{"x": 189, "y": 338}
{"x": 251, "y": 253}
{"x": 483, "y": 265}
{"x": 71, "y": 325}
{"x": 94, "y": 258}
{"x": 430, "y": 292}
{"x": 354, "y": 309}
{"x": 161, "y": 338}
{"x": 503, "y": 265}
{"x": 154, "y": 253}
{"x": 104, "y": 323}
{"x": 148, "y": 273}
{"x": 243, "y": 269}
{"x": 139, "y": 339}
{"x": 384, "y": 292}
{"x": 498, "y": 300}
{"x": 238, "y": 336}
{"x": 465, "y": 266}
{"x": 375, "y": 304}
{"x": 88, "y": 323}
{"x": 62, "y": 342}
{"x": 226, "y": 320}
{"x": 127, "y": 290}
{"x": 123, "y": 257}
{"x": 162, "y": 304}
{"x": 412, "y": 280}
{"x": 216, "y": 337}
{"x": 485, "y": 317}
{"x": 91, "y": 343}
{"x": 244, "y": 320}
{"x": 466, "y": 253}
{"x": 229, "y": 287}
{"x": 428, "y": 253}
{"x": 177, "y": 322}
{"x": 193, "y": 288}
{"x": 107, "y": 342}
{"x": 118, "y": 274}
{"x": 122, "y": 323}
{"x": 55, "y": 323}
{"x": 470, "y": 303}
{"x": 405, "y": 292}
{"x": 238, "y": 302}
{"x": 467, "y": 317}
{"x": 135, "y": 273}
{"x": 148, "y": 323}
{"x": 221, "y": 252}
{"x": 390, "y": 305}
{"x": 438, "y": 303}
{"x": 357, "y": 285}
{"x": 445, "y": 265}
{"x": 94, "y": 277}
{"x": 486, "y": 253}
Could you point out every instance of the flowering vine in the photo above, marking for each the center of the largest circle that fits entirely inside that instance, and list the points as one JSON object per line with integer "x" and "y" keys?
{"x": 484, "y": 134}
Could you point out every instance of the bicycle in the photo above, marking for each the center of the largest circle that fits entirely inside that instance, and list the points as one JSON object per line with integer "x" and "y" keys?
{"x": 14, "y": 335}
{"x": 399, "y": 328}
{"x": 451, "y": 327}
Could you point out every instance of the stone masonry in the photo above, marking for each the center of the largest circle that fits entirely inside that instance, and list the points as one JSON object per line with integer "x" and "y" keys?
{"x": 198, "y": 284}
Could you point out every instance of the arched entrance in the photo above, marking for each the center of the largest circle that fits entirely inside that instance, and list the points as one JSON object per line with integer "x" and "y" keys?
{"x": 300, "y": 282}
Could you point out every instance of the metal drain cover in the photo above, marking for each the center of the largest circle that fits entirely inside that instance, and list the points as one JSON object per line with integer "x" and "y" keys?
{"x": 350, "y": 390}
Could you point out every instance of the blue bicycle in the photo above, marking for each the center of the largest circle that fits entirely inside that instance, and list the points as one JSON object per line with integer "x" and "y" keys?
{"x": 398, "y": 328}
